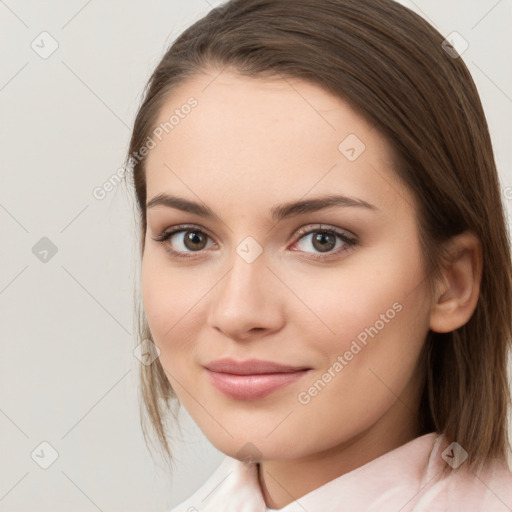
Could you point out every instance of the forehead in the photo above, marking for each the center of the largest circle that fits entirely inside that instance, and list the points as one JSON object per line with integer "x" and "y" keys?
{"x": 266, "y": 138}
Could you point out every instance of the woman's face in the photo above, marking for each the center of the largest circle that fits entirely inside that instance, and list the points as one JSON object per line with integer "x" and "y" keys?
{"x": 335, "y": 292}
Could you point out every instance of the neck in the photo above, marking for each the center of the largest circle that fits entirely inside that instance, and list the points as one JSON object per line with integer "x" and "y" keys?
{"x": 284, "y": 481}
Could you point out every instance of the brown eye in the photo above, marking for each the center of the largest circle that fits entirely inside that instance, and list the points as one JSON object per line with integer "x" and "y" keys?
{"x": 183, "y": 241}
{"x": 194, "y": 240}
{"x": 324, "y": 242}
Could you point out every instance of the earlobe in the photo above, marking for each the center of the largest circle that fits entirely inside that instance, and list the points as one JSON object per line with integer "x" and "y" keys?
{"x": 459, "y": 287}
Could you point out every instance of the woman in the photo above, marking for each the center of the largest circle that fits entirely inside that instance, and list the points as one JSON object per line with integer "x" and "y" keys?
{"x": 326, "y": 271}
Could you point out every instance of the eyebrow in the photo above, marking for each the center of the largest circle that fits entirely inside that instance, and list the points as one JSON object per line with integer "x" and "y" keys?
{"x": 278, "y": 212}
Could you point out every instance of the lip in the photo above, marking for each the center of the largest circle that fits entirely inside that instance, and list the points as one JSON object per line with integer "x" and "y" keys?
{"x": 252, "y": 379}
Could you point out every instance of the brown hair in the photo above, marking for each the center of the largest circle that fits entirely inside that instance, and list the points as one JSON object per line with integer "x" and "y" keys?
{"x": 389, "y": 64}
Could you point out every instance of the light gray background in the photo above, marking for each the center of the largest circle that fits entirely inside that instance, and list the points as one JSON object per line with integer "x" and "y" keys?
{"x": 67, "y": 372}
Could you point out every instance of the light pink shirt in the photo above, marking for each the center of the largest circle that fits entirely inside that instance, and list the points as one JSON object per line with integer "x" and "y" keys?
{"x": 408, "y": 478}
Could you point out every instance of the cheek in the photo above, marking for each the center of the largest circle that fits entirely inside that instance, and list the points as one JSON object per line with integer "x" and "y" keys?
{"x": 172, "y": 299}
{"x": 380, "y": 318}
{"x": 353, "y": 300}
{"x": 372, "y": 358}
{"x": 373, "y": 313}
{"x": 163, "y": 296}
{"x": 155, "y": 296}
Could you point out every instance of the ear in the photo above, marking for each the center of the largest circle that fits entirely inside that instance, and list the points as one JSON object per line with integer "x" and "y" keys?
{"x": 458, "y": 289}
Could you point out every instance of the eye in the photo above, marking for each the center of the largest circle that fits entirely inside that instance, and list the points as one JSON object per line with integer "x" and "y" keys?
{"x": 325, "y": 241}
{"x": 328, "y": 242}
{"x": 184, "y": 239}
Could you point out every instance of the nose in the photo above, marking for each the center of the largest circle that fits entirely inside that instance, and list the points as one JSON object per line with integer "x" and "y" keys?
{"x": 247, "y": 302}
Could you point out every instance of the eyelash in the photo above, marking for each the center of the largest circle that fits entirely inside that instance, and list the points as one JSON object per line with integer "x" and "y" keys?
{"x": 349, "y": 242}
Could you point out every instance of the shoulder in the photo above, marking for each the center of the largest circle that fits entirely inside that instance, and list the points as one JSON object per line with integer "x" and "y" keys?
{"x": 460, "y": 488}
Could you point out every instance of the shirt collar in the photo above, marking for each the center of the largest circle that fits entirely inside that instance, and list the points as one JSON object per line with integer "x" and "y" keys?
{"x": 234, "y": 485}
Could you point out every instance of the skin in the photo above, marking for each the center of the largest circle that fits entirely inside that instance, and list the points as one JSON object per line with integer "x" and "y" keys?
{"x": 250, "y": 144}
